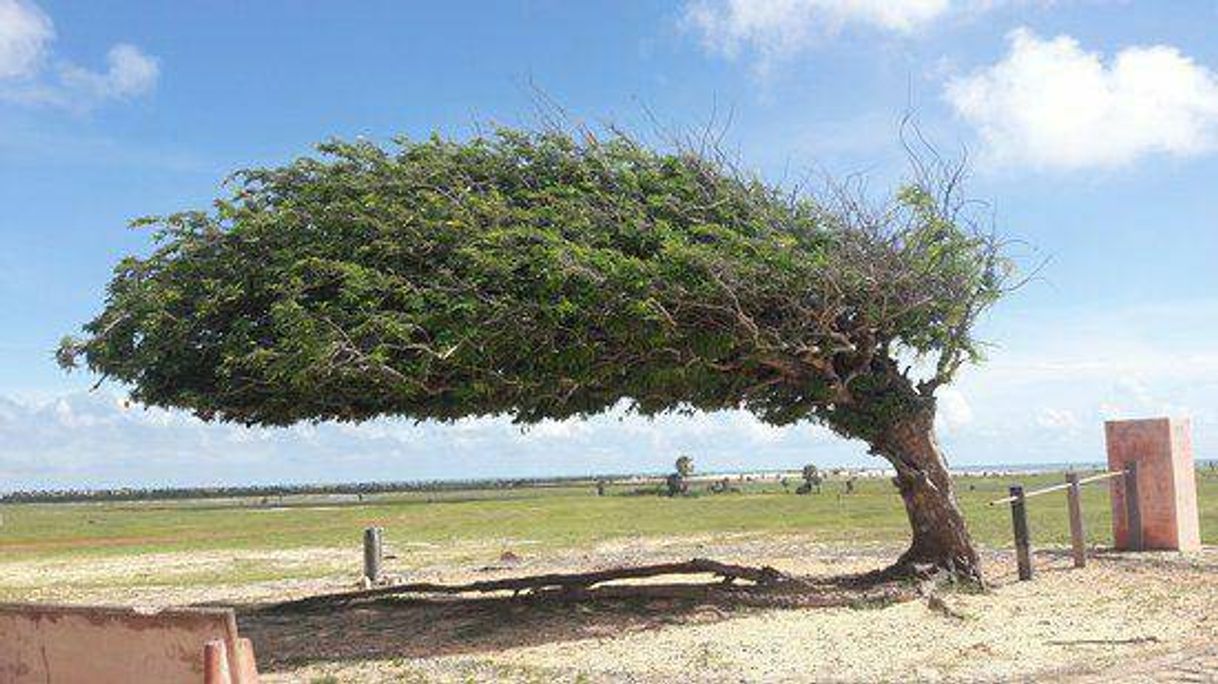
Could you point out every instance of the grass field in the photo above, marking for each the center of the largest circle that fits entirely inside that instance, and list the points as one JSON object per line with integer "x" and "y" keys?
{"x": 540, "y": 517}
{"x": 248, "y": 552}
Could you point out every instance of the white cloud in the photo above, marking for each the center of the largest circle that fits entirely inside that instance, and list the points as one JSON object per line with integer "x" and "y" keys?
{"x": 99, "y": 439}
{"x": 26, "y": 34}
{"x": 1045, "y": 392}
{"x": 1052, "y": 104}
{"x": 1056, "y": 419}
{"x": 772, "y": 28}
{"x": 954, "y": 410}
{"x": 130, "y": 73}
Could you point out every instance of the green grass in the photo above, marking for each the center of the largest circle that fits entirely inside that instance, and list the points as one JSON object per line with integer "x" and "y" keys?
{"x": 548, "y": 517}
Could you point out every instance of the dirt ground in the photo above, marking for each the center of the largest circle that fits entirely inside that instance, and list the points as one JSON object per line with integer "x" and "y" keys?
{"x": 1144, "y": 617}
{"x": 1093, "y": 624}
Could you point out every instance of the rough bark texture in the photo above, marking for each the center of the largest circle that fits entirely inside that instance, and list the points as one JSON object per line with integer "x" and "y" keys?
{"x": 941, "y": 542}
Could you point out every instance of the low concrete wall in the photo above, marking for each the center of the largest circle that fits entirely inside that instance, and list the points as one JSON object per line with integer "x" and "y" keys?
{"x": 51, "y": 644}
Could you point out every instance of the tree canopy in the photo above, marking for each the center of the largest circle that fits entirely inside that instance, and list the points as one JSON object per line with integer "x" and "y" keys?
{"x": 684, "y": 466}
{"x": 543, "y": 275}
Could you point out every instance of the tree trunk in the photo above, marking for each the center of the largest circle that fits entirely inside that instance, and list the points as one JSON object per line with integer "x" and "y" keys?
{"x": 941, "y": 542}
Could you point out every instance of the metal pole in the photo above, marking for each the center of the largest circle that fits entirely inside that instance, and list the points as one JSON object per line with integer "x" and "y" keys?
{"x": 1019, "y": 519}
{"x": 1133, "y": 511}
{"x": 1077, "y": 534}
{"x": 372, "y": 554}
{"x": 1054, "y": 488}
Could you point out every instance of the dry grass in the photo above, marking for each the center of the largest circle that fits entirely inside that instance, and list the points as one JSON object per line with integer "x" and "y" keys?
{"x": 1068, "y": 623}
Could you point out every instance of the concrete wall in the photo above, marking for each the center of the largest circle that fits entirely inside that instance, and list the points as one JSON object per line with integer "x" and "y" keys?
{"x": 1167, "y": 488}
{"x": 100, "y": 645}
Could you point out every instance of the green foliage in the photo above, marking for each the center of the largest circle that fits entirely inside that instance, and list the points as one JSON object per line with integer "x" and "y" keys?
{"x": 554, "y": 518}
{"x": 812, "y": 480}
{"x": 541, "y": 276}
{"x": 811, "y": 475}
{"x": 685, "y": 466}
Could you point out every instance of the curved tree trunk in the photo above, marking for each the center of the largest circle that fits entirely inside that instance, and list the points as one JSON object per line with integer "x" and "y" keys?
{"x": 941, "y": 541}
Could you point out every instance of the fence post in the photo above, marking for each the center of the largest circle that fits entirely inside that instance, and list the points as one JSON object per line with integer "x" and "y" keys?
{"x": 1077, "y": 534}
{"x": 1133, "y": 512}
{"x": 1019, "y": 518}
{"x": 372, "y": 554}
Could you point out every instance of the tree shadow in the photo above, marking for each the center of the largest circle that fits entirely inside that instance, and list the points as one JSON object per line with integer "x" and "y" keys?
{"x": 421, "y": 627}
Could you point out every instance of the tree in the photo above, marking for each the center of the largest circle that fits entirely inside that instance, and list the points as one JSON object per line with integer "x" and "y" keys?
{"x": 812, "y": 480}
{"x": 685, "y": 466}
{"x": 549, "y": 275}
{"x": 676, "y": 483}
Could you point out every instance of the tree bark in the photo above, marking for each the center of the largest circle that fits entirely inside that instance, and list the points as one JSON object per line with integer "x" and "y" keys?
{"x": 941, "y": 541}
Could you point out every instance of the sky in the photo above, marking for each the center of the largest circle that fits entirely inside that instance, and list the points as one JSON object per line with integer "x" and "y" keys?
{"x": 1091, "y": 128}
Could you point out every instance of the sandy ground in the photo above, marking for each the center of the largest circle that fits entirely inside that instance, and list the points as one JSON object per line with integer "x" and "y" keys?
{"x": 1116, "y": 618}
{"x": 1067, "y": 624}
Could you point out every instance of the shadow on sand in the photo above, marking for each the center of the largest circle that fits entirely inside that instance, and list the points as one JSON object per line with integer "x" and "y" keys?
{"x": 419, "y": 627}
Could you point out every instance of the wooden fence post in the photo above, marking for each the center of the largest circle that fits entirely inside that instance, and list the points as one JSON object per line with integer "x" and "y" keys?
{"x": 1019, "y": 518}
{"x": 1133, "y": 512}
{"x": 1078, "y": 539}
{"x": 372, "y": 554}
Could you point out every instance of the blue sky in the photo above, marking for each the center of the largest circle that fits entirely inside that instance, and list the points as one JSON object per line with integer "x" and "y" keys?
{"x": 1092, "y": 126}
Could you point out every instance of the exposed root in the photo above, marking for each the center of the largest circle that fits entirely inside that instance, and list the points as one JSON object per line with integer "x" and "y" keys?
{"x": 913, "y": 566}
{"x": 573, "y": 585}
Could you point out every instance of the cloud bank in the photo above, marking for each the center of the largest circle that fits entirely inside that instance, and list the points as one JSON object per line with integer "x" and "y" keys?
{"x": 1051, "y": 104}
{"x": 26, "y": 33}
{"x": 97, "y": 439}
{"x": 774, "y": 28}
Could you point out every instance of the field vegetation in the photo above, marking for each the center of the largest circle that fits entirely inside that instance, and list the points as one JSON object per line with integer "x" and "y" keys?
{"x": 1122, "y": 611}
{"x": 542, "y": 517}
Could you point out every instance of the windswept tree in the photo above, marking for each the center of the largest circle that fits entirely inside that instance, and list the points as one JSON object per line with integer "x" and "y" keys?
{"x": 550, "y": 275}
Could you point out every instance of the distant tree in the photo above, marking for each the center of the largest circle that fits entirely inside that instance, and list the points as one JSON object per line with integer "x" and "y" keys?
{"x": 675, "y": 485}
{"x": 812, "y": 480}
{"x": 548, "y": 275}
{"x": 685, "y": 466}
{"x": 678, "y": 482}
